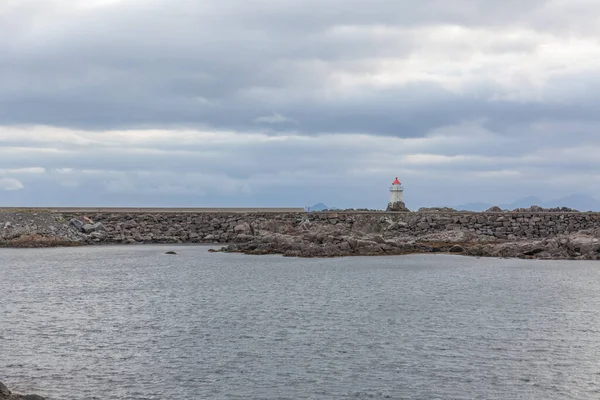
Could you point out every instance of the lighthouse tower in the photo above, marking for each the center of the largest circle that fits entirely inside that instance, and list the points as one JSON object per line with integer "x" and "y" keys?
{"x": 396, "y": 197}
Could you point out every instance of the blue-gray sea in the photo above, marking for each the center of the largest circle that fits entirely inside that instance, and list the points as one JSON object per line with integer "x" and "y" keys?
{"x": 130, "y": 322}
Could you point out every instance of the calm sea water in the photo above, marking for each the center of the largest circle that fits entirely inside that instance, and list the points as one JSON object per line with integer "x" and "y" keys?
{"x": 133, "y": 323}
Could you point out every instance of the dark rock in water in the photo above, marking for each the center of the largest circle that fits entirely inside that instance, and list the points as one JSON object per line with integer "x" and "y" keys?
{"x": 6, "y": 394}
{"x": 212, "y": 251}
{"x": 170, "y": 252}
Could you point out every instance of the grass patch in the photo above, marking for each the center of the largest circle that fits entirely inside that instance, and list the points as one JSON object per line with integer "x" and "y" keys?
{"x": 37, "y": 241}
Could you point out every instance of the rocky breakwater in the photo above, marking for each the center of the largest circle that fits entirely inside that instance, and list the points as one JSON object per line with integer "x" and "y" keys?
{"x": 167, "y": 227}
{"x": 6, "y": 394}
{"x": 27, "y": 228}
{"x": 523, "y": 235}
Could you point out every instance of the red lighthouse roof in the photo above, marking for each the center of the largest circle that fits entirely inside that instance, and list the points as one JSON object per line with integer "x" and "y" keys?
{"x": 396, "y": 182}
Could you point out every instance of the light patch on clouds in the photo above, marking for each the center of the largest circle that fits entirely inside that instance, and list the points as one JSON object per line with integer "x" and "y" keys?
{"x": 10, "y": 184}
{"x": 97, "y": 3}
{"x": 31, "y": 170}
{"x": 274, "y": 118}
{"x": 518, "y": 63}
{"x": 501, "y": 174}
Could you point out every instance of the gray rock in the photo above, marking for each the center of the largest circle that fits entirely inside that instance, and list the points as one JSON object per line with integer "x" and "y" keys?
{"x": 87, "y": 228}
{"x": 75, "y": 223}
{"x": 4, "y": 390}
{"x": 345, "y": 247}
{"x": 352, "y": 242}
{"x": 98, "y": 235}
{"x": 98, "y": 227}
{"x": 397, "y": 206}
{"x": 6, "y": 394}
{"x": 242, "y": 228}
{"x": 379, "y": 239}
{"x": 397, "y": 225}
{"x": 130, "y": 224}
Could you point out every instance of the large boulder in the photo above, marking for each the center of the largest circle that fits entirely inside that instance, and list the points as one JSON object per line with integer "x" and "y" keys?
{"x": 98, "y": 235}
{"x": 130, "y": 224}
{"x": 98, "y": 227}
{"x": 6, "y": 394}
{"x": 244, "y": 227}
{"x": 75, "y": 223}
{"x": 89, "y": 228}
{"x": 4, "y": 390}
{"x": 397, "y": 206}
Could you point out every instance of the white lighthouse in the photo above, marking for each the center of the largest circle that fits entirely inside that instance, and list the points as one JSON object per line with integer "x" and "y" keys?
{"x": 396, "y": 197}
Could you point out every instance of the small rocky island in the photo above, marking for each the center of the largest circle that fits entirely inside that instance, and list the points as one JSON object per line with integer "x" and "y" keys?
{"x": 6, "y": 394}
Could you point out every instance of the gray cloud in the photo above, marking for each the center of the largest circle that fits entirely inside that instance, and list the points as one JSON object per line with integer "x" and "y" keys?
{"x": 10, "y": 184}
{"x": 449, "y": 166}
{"x": 224, "y": 64}
{"x": 288, "y": 103}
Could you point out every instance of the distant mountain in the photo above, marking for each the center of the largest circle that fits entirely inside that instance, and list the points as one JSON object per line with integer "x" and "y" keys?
{"x": 581, "y": 202}
{"x": 321, "y": 207}
{"x": 524, "y": 203}
{"x": 473, "y": 207}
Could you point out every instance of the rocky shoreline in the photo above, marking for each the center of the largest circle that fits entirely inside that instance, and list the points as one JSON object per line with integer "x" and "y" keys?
{"x": 6, "y": 394}
{"x": 583, "y": 245}
{"x": 560, "y": 234}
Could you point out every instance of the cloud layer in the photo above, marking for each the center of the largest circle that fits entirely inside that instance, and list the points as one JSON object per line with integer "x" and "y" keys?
{"x": 154, "y": 102}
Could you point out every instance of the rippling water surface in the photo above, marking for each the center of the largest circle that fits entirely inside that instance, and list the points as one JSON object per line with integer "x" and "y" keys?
{"x": 133, "y": 323}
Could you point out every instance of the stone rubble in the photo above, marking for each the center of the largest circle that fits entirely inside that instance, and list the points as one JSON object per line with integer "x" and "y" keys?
{"x": 28, "y": 228}
{"x": 526, "y": 234}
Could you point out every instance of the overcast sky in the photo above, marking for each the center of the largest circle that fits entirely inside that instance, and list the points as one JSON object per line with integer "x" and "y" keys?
{"x": 289, "y": 103}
